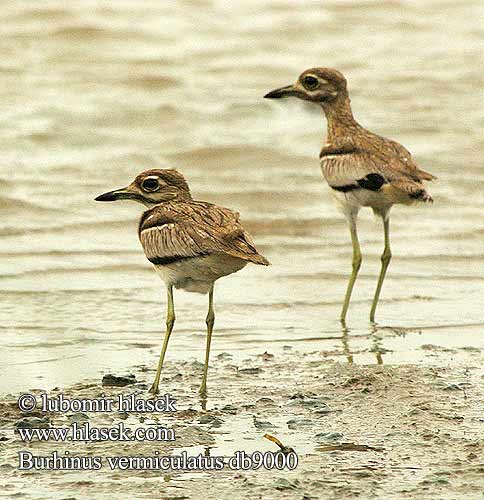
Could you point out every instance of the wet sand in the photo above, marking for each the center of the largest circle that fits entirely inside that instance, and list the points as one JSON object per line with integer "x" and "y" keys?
{"x": 96, "y": 92}
{"x": 359, "y": 431}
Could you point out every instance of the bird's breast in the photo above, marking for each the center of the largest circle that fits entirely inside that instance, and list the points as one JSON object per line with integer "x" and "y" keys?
{"x": 335, "y": 169}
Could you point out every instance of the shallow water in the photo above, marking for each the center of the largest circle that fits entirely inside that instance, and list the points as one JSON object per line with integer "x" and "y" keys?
{"x": 95, "y": 92}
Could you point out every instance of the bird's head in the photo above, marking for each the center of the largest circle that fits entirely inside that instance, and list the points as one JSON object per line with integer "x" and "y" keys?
{"x": 152, "y": 187}
{"x": 320, "y": 85}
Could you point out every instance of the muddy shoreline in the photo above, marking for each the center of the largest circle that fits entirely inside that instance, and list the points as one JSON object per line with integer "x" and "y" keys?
{"x": 359, "y": 431}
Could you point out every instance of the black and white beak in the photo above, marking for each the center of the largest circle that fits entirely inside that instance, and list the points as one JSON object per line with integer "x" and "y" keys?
{"x": 287, "y": 91}
{"x": 117, "y": 194}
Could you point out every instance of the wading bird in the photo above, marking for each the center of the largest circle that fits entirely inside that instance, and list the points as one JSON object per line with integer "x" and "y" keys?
{"x": 190, "y": 243}
{"x": 363, "y": 169}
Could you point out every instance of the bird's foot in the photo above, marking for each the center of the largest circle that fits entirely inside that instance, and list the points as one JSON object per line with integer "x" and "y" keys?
{"x": 154, "y": 390}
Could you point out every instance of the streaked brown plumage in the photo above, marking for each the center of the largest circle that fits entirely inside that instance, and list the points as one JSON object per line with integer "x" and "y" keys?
{"x": 191, "y": 243}
{"x": 173, "y": 232}
{"x": 362, "y": 168}
{"x": 352, "y": 152}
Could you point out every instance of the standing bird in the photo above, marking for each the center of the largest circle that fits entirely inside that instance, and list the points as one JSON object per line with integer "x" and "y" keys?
{"x": 190, "y": 243}
{"x": 363, "y": 168}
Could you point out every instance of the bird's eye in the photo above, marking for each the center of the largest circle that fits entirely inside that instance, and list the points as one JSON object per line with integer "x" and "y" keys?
{"x": 150, "y": 184}
{"x": 310, "y": 82}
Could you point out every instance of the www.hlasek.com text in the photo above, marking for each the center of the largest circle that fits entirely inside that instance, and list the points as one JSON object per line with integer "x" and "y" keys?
{"x": 86, "y": 432}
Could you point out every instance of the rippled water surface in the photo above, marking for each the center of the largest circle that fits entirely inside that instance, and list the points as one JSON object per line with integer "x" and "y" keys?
{"x": 94, "y": 92}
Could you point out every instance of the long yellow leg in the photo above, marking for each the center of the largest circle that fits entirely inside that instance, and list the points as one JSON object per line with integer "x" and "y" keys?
{"x": 210, "y": 320}
{"x": 170, "y": 321}
{"x": 385, "y": 261}
{"x": 356, "y": 264}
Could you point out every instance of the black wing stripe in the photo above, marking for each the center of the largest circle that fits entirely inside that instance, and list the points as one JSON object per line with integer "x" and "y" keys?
{"x": 345, "y": 188}
{"x": 164, "y": 261}
{"x": 372, "y": 182}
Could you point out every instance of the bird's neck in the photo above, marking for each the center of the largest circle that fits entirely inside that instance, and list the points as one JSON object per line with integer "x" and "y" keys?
{"x": 339, "y": 117}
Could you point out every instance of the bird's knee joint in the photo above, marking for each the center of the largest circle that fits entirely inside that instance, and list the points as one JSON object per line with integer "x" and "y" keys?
{"x": 357, "y": 263}
{"x": 170, "y": 322}
{"x": 210, "y": 320}
{"x": 386, "y": 256}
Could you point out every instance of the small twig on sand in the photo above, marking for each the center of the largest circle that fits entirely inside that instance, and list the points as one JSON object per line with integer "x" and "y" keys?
{"x": 285, "y": 449}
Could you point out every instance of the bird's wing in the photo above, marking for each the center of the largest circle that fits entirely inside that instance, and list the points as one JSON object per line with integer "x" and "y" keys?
{"x": 191, "y": 229}
{"x": 405, "y": 162}
{"x": 368, "y": 167}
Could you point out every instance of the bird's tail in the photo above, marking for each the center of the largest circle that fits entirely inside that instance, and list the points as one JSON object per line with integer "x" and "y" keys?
{"x": 412, "y": 191}
{"x": 425, "y": 176}
{"x": 421, "y": 195}
{"x": 259, "y": 260}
